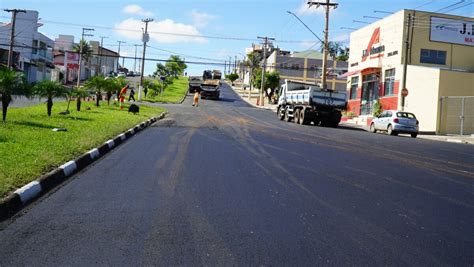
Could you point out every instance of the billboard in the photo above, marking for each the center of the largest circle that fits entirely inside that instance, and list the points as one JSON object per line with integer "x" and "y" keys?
{"x": 452, "y": 31}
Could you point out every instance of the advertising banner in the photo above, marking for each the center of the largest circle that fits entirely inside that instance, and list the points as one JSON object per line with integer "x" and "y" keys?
{"x": 452, "y": 31}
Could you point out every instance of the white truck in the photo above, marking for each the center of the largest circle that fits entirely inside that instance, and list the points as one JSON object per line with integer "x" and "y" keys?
{"x": 304, "y": 103}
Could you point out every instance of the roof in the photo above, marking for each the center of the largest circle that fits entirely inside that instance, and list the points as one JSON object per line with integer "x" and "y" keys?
{"x": 313, "y": 54}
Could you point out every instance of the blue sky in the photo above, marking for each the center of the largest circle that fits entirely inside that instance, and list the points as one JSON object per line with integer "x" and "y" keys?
{"x": 237, "y": 23}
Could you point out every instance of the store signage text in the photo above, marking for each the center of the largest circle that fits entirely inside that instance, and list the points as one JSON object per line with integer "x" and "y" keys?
{"x": 452, "y": 31}
{"x": 371, "y": 48}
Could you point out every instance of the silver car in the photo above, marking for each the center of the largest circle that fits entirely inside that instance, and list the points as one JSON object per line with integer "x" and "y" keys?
{"x": 395, "y": 122}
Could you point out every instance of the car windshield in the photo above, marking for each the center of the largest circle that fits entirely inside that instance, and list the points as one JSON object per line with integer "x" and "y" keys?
{"x": 406, "y": 115}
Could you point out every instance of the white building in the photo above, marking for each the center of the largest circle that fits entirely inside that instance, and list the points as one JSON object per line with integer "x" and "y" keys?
{"x": 33, "y": 50}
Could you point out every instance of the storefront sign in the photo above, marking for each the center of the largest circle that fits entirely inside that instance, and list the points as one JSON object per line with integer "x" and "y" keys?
{"x": 372, "y": 49}
{"x": 452, "y": 31}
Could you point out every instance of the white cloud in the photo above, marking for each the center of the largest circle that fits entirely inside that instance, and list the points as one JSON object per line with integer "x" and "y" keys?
{"x": 201, "y": 20}
{"x": 137, "y": 10}
{"x": 164, "y": 31}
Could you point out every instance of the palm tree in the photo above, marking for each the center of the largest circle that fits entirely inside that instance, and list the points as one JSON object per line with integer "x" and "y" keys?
{"x": 147, "y": 83}
{"x": 335, "y": 49}
{"x": 86, "y": 51}
{"x": 11, "y": 82}
{"x": 253, "y": 62}
{"x": 112, "y": 86}
{"x": 49, "y": 89}
{"x": 99, "y": 83}
{"x": 79, "y": 93}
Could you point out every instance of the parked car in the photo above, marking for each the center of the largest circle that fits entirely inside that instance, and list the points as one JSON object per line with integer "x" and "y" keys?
{"x": 121, "y": 74}
{"x": 131, "y": 73}
{"x": 395, "y": 122}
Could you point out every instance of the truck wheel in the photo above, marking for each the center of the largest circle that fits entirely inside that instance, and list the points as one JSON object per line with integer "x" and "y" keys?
{"x": 304, "y": 118}
{"x": 297, "y": 116}
{"x": 287, "y": 117}
{"x": 281, "y": 113}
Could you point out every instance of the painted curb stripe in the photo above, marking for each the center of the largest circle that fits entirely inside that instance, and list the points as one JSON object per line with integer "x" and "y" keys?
{"x": 94, "y": 153}
{"x": 29, "y": 191}
{"x": 68, "y": 167}
{"x": 15, "y": 202}
{"x": 110, "y": 143}
{"x": 52, "y": 179}
{"x": 117, "y": 141}
{"x": 10, "y": 206}
{"x": 83, "y": 161}
{"x": 103, "y": 149}
{"x": 122, "y": 136}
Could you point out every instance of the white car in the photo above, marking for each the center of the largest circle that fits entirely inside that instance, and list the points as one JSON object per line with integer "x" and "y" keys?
{"x": 121, "y": 74}
{"x": 395, "y": 122}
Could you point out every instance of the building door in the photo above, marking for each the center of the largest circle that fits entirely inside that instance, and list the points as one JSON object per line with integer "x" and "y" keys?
{"x": 370, "y": 93}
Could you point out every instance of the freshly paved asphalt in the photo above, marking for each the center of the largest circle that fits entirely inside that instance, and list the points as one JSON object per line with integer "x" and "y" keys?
{"x": 226, "y": 184}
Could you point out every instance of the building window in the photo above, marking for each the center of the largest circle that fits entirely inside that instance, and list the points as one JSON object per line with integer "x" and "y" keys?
{"x": 35, "y": 47}
{"x": 354, "y": 86}
{"x": 433, "y": 56}
{"x": 389, "y": 82}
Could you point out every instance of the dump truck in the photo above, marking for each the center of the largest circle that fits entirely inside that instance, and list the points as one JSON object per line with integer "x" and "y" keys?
{"x": 210, "y": 87}
{"x": 194, "y": 83}
{"x": 305, "y": 103}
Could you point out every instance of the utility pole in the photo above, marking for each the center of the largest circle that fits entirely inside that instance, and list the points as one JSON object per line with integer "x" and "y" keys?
{"x": 262, "y": 86}
{"x": 100, "y": 52}
{"x": 327, "y": 5}
{"x": 230, "y": 64}
{"x": 135, "y": 63}
{"x": 12, "y": 35}
{"x": 405, "y": 60}
{"x": 81, "y": 43}
{"x": 118, "y": 61}
{"x": 225, "y": 66}
{"x": 235, "y": 64}
{"x": 145, "y": 38}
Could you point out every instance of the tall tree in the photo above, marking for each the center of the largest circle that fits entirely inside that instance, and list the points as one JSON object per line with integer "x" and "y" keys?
{"x": 161, "y": 70}
{"x": 98, "y": 83}
{"x": 11, "y": 83}
{"x": 252, "y": 62}
{"x": 49, "y": 89}
{"x": 86, "y": 49}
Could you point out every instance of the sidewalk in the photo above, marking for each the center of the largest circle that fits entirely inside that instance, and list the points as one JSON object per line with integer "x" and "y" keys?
{"x": 244, "y": 94}
{"x": 465, "y": 139}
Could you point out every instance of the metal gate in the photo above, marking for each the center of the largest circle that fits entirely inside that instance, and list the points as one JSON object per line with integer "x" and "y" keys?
{"x": 456, "y": 115}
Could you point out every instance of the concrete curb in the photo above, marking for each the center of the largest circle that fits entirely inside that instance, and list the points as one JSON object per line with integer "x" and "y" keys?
{"x": 13, "y": 203}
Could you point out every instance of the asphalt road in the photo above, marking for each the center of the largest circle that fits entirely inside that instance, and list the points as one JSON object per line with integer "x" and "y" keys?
{"x": 227, "y": 184}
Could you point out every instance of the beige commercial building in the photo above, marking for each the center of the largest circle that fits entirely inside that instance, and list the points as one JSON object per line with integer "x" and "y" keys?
{"x": 439, "y": 58}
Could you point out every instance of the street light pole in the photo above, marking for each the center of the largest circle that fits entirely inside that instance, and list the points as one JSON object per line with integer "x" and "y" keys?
{"x": 12, "y": 35}
{"x": 262, "y": 86}
{"x": 118, "y": 61}
{"x": 100, "y": 52}
{"x": 327, "y": 5}
{"x": 145, "y": 40}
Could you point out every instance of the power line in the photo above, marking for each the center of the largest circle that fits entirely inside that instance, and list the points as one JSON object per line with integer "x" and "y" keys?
{"x": 167, "y": 33}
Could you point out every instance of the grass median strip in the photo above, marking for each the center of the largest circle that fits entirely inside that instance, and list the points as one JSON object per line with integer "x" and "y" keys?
{"x": 29, "y": 147}
{"x": 173, "y": 93}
